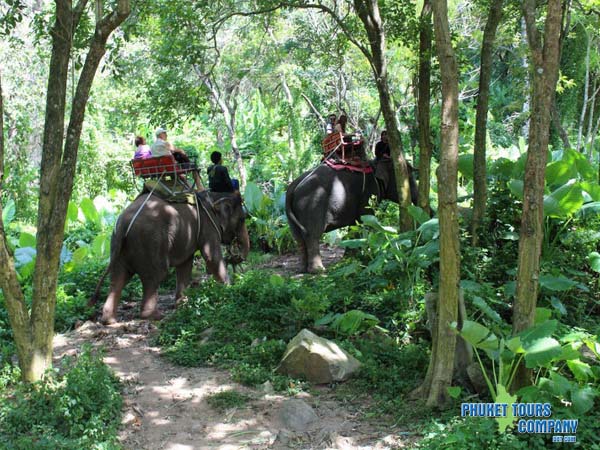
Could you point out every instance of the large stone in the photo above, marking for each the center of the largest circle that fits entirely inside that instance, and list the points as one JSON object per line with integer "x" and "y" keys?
{"x": 317, "y": 359}
{"x": 297, "y": 415}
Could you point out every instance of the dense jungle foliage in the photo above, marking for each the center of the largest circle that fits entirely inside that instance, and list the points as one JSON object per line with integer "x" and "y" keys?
{"x": 255, "y": 81}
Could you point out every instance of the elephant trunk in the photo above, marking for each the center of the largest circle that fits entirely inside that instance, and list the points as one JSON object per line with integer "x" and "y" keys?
{"x": 244, "y": 240}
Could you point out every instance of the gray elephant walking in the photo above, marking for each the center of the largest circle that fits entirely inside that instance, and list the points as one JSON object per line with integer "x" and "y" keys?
{"x": 325, "y": 199}
{"x": 165, "y": 235}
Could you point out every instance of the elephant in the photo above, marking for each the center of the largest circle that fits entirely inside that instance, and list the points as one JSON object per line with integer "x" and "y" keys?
{"x": 325, "y": 199}
{"x": 165, "y": 235}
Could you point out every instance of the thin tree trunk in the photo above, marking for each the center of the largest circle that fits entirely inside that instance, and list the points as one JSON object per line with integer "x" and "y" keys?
{"x": 525, "y": 65}
{"x": 293, "y": 154}
{"x": 442, "y": 362}
{"x": 590, "y": 126}
{"x": 229, "y": 116}
{"x": 544, "y": 75}
{"x": 564, "y": 136}
{"x": 423, "y": 108}
{"x": 479, "y": 153}
{"x": 586, "y": 88}
{"x": 368, "y": 12}
{"x": 34, "y": 334}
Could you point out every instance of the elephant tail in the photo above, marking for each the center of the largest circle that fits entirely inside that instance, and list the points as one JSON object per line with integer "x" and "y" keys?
{"x": 94, "y": 298}
{"x": 293, "y": 221}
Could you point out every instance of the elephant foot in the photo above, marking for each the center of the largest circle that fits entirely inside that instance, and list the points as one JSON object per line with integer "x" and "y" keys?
{"x": 154, "y": 314}
{"x": 316, "y": 269}
{"x": 108, "y": 319}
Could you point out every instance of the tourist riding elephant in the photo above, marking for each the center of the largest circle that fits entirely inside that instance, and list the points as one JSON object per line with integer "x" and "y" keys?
{"x": 165, "y": 235}
{"x": 325, "y": 199}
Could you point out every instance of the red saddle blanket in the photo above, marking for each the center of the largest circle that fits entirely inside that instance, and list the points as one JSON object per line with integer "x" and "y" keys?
{"x": 353, "y": 166}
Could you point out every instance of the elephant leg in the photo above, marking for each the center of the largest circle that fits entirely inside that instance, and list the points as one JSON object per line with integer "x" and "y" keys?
{"x": 118, "y": 279}
{"x": 313, "y": 255}
{"x": 150, "y": 282}
{"x": 184, "y": 273}
{"x": 214, "y": 262}
{"x": 303, "y": 256}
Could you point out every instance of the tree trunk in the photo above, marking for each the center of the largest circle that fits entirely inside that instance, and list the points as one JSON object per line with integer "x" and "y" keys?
{"x": 33, "y": 335}
{"x": 229, "y": 116}
{"x": 423, "y": 108}
{"x": 368, "y": 12}
{"x": 544, "y": 75}
{"x": 442, "y": 361}
{"x": 293, "y": 154}
{"x": 591, "y": 114}
{"x": 479, "y": 153}
{"x": 586, "y": 88}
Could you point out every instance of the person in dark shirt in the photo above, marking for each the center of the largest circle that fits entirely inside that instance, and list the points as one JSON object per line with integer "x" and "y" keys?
{"x": 382, "y": 148}
{"x": 218, "y": 175}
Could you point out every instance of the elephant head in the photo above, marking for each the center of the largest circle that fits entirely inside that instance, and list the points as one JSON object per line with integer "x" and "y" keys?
{"x": 384, "y": 172}
{"x": 232, "y": 217}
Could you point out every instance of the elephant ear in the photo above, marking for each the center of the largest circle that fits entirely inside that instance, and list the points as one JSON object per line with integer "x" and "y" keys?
{"x": 223, "y": 208}
{"x": 383, "y": 171}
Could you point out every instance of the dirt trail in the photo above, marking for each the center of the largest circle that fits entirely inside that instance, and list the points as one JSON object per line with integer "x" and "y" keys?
{"x": 166, "y": 406}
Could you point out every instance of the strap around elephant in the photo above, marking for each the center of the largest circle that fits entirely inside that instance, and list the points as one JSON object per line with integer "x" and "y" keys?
{"x": 137, "y": 213}
{"x": 219, "y": 231}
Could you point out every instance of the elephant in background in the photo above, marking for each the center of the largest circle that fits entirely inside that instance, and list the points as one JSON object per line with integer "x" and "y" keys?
{"x": 325, "y": 199}
{"x": 167, "y": 235}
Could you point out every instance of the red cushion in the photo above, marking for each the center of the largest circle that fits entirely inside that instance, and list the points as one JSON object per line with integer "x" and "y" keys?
{"x": 154, "y": 166}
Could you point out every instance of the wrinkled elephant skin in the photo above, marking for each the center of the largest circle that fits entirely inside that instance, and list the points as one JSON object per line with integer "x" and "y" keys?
{"x": 324, "y": 199}
{"x": 165, "y": 235}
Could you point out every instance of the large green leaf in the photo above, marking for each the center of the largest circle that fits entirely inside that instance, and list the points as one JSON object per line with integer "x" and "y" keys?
{"x": 592, "y": 189}
{"x": 24, "y": 255}
{"x": 564, "y": 201}
{"x": 504, "y": 397}
{"x": 589, "y": 209}
{"x": 558, "y": 284}
{"x": 559, "y": 172}
{"x": 72, "y": 212}
{"x": 540, "y": 331}
{"x": 418, "y": 214}
{"x": 101, "y": 245}
{"x": 584, "y": 167}
{"x": 594, "y": 261}
{"x": 372, "y": 222}
{"x": 89, "y": 211}
{"x": 79, "y": 256}
{"x": 581, "y": 370}
{"x": 516, "y": 187}
{"x": 27, "y": 240}
{"x": 559, "y": 385}
{"x": 583, "y": 399}
{"x": 8, "y": 212}
{"x": 253, "y": 197}
{"x": 486, "y": 309}
{"x": 430, "y": 229}
{"x": 465, "y": 165}
{"x": 479, "y": 336}
{"x": 540, "y": 352}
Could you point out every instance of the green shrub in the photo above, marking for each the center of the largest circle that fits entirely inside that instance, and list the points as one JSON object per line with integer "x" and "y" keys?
{"x": 222, "y": 401}
{"x": 80, "y": 409}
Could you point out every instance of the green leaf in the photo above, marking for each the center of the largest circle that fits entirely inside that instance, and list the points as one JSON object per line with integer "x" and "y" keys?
{"x": 592, "y": 189}
{"x": 24, "y": 255}
{"x": 583, "y": 399}
{"x": 27, "y": 240}
{"x": 372, "y": 222}
{"x": 558, "y": 305}
{"x": 479, "y": 336}
{"x": 79, "y": 256}
{"x": 454, "y": 391}
{"x": 465, "y": 165}
{"x": 514, "y": 344}
{"x": 589, "y": 209}
{"x": 253, "y": 197}
{"x": 581, "y": 370}
{"x": 594, "y": 261}
{"x": 8, "y": 212}
{"x": 72, "y": 212}
{"x": 559, "y": 172}
{"x": 557, "y": 284}
{"x": 418, "y": 214}
{"x": 354, "y": 243}
{"x": 559, "y": 385}
{"x": 542, "y": 314}
{"x": 538, "y": 331}
{"x": 569, "y": 352}
{"x": 516, "y": 188}
{"x": 540, "y": 352}
{"x": 564, "y": 201}
{"x": 101, "y": 245}
{"x": 429, "y": 230}
{"x": 486, "y": 309}
{"x": 503, "y": 397}
{"x": 276, "y": 280}
{"x": 89, "y": 211}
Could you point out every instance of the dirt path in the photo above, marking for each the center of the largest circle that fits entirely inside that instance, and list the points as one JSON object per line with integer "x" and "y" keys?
{"x": 166, "y": 405}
